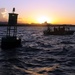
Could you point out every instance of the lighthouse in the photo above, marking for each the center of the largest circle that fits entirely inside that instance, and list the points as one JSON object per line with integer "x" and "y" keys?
{"x": 11, "y": 40}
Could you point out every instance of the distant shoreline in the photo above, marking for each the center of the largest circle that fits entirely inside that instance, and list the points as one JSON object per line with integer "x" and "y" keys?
{"x": 38, "y": 25}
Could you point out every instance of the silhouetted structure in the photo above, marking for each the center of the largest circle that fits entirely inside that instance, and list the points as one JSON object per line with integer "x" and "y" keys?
{"x": 11, "y": 40}
{"x": 12, "y": 21}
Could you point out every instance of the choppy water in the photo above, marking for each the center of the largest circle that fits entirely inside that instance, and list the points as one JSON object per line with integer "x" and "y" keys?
{"x": 39, "y": 55}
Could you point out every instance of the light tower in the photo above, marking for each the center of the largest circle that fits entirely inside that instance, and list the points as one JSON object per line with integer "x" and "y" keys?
{"x": 11, "y": 40}
{"x": 12, "y": 24}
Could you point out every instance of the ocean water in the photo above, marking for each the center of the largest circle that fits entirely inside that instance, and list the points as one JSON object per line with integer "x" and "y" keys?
{"x": 39, "y": 54}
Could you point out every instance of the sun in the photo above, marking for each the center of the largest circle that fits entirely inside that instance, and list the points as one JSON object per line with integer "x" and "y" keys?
{"x": 43, "y": 19}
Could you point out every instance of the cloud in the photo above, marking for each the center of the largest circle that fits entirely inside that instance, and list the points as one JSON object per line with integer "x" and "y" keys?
{"x": 3, "y": 14}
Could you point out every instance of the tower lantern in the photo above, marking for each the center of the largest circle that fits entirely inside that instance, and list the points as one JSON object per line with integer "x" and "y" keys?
{"x": 13, "y": 10}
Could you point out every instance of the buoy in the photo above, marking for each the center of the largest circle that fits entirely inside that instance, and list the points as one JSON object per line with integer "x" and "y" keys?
{"x": 11, "y": 40}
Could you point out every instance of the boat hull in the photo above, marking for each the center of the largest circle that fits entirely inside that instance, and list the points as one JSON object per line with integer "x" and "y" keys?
{"x": 58, "y": 33}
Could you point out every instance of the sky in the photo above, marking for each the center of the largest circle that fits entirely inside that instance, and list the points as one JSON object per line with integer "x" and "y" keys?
{"x": 38, "y": 11}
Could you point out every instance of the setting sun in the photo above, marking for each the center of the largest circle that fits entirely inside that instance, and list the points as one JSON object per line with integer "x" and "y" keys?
{"x": 43, "y": 19}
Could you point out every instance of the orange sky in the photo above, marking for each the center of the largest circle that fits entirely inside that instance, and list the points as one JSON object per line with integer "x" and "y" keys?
{"x": 34, "y": 11}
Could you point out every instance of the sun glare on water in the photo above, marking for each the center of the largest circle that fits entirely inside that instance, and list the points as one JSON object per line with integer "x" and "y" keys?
{"x": 43, "y": 19}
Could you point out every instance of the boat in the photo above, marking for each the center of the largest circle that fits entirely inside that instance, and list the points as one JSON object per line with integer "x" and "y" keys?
{"x": 59, "y": 30}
